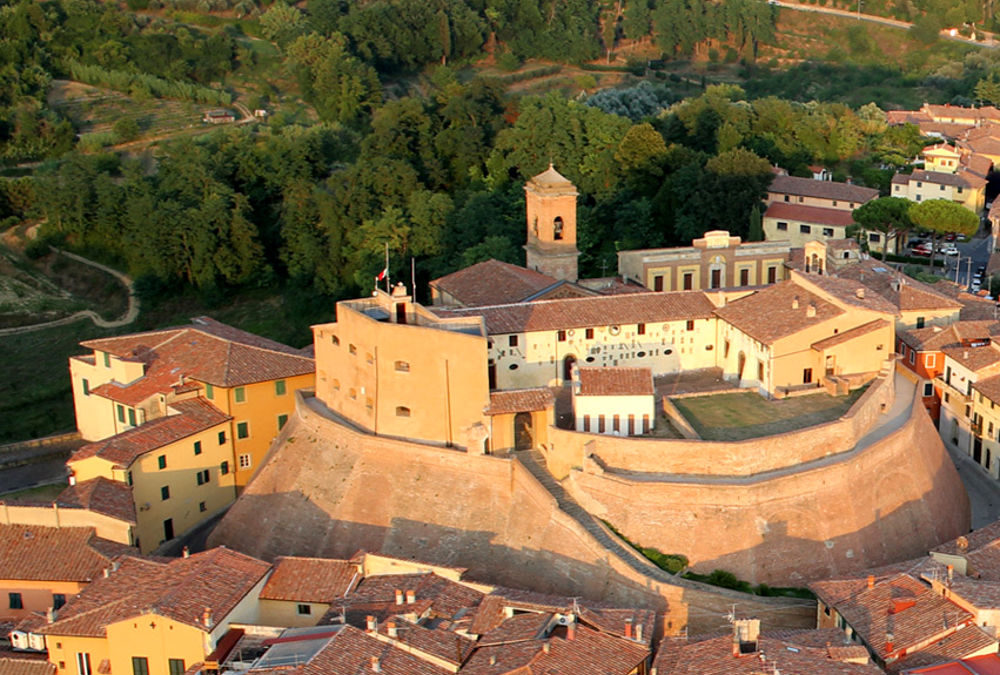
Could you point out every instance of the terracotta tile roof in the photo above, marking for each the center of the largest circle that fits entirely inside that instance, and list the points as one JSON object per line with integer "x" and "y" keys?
{"x": 493, "y": 282}
{"x": 906, "y": 116}
{"x": 974, "y": 358}
{"x": 848, "y": 335}
{"x": 822, "y": 189}
{"x": 100, "y": 495}
{"x": 715, "y": 657}
{"x": 980, "y": 164}
{"x": 376, "y": 596}
{"x": 439, "y": 642}
{"x": 986, "y": 145}
{"x": 13, "y": 665}
{"x": 815, "y": 215}
{"x": 965, "y": 642}
{"x": 192, "y": 416}
{"x": 518, "y": 628}
{"x": 614, "y": 621}
{"x": 900, "y": 605}
{"x": 850, "y": 291}
{"x": 208, "y": 351}
{"x": 547, "y": 315}
{"x": 352, "y": 651}
{"x": 988, "y": 387}
{"x": 31, "y": 552}
{"x": 181, "y": 590}
{"x": 777, "y": 311}
{"x": 962, "y": 179}
{"x": 971, "y": 542}
{"x": 947, "y": 111}
{"x": 933, "y": 338}
{"x": 310, "y": 579}
{"x": 986, "y": 664}
{"x": 618, "y": 381}
{"x": 519, "y": 400}
{"x": 903, "y": 292}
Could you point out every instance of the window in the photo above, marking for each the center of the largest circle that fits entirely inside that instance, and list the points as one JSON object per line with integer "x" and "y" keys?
{"x": 959, "y": 189}
{"x": 744, "y": 277}
{"x": 930, "y": 360}
{"x": 58, "y": 600}
{"x": 197, "y": 447}
{"x": 590, "y": 333}
{"x": 353, "y": 393}
{"x": 690, "y": 324}
{"x": 688, "y": 281}
{"x": 223, "y": 468}
{"x": 658, "y": 283}
{"x": 203, "y": 477}
{"x": 918, "y": 198}
{"x": 787, "y": 198}
{"x": 128, "y": 477}
{"x": 14, "y": 601}
{"x": 772, "y": 274}
{"x": 86, "y": 387}
{"x": 782, "y": 227}
{"x": 242, "y": 430}
{"x": 246, "y": 461}
{"x": 402, "y": 367}
{"x": 209, "y": 392}
{"x": 947, "y": 398}
{"x": 896, "y": 188}
{"x": 561, "y": 336}
{"x": 805, "y": 229}
{"x": 240, "y": 394}
{"x": 279, "y": 388}
{"x": 600, "y": 424}
{"x": 920, "y": 183}
{"x": 176, "y": 666}
{"x": 760, "y": 371}
{"x": 304, "y": 610}
{"x": 161, "y": 462}
{"x": 107, "y": 360}
{"x": 336, "y": 384}
{"x": 165, "y": 493}
{"x": 616, "y": 423}
{"x": 82, "y": 663}
{"x": 140, "y": 665}
{"x": 912, "y": 359}
{"x": 282, "y": 420}
{"x": 586, "y": 422}
{"x": 202, "y": 507}
{"x": 801, "y": 200}
{"x": 222, "y": 437}
{"x": 640, "y": 329}
{"x": 352, "y": 349}
{"x": 920, "y": 322}
{"x": 402, "y": 411}
{"x": 512, "y": 341}
{"x": 827, "y": 231}
{"x": 335, "y": 340}
{"x": 941, "y": 187}
{"x": 928, "y": 389}
{"x": 807, "y": 375}
{"x": 131, "y": 417}
{"x": 121, "y": 414}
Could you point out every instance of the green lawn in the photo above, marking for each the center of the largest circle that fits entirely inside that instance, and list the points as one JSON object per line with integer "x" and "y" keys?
{"x": 735, "y": 417}
{"x": 42, "y": 493}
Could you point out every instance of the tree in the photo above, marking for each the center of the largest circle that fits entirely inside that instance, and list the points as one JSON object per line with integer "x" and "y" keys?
{"x": 756, "y": 232}
{"x": 941, "y": 216}
{"x": 988, "y": 89}
{"x": 888, "y": 215}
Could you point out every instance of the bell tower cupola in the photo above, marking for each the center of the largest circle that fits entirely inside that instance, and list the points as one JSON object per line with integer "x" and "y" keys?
{"x": 550, "y": 203}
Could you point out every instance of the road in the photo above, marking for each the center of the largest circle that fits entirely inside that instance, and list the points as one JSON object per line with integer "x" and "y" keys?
{"x": 983, "y": 490}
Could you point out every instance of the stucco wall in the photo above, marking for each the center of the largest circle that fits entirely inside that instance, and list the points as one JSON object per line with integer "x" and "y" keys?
{"x": 51, "y": 516}
{"x": 889, "y": 501}
{"x": 568, "y": 449}
{"x": 329, "y": 491}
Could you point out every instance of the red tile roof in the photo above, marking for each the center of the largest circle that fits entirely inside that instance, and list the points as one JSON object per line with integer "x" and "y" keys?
{"x": 439, "y": 641}
{"x": 547, "y": 315}
{"x": 777, "y": 311}
{"x": 192, "y": 416}
{"x": 352, "y": 651}
{"x": 974, "y": 358}
{"x": 100, "y": 495}
{"x": 519, "y": 400}
{"x": 16, "y": 665}
{"x": 182, "y": 590}
{"x": 376, "y": 596}
{"x": 987, "y": 664}
{"x": 207, "y": 351}
{"x": 618, "y": 381}
{"x": 933, "y": 338}
{"x": 492, "y": 282}
{"x": 965, "y": 642}
{"x": 310, "y": 579}
{"x": 822, "y": 189}
{"x": 35, "y": 553}
{"x": 848, "y": 335}
{"x": 815, "y": 215}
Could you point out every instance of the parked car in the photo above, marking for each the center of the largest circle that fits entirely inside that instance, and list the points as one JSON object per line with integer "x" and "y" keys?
{"x": 949, "y": 249}
{"x": 949, "y": 237}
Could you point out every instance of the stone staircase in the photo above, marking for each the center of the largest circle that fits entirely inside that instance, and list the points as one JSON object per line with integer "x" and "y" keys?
{"x": 534, "y": 462}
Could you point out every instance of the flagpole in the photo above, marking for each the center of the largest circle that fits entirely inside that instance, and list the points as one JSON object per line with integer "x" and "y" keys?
{"x": 387, "y": 268}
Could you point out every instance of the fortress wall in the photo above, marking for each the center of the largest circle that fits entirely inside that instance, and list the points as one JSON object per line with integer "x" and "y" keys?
{"x": 888, "y": 502}
{"x": 327, "y": 490}
{"x": 568, "y": 449}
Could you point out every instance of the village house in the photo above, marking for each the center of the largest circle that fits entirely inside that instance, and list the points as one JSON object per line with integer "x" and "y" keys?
{"x": 614, "y": 401}
{"x": 961, "y": 425}
{"x": 803, "y": 209}
{"x": 945, "y": 121}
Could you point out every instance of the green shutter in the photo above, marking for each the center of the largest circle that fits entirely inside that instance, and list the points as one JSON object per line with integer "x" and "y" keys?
{"x": 107, "y": 360}
{"x": 240, "y": 394}
{"x": 243, "y": 430}
{"x": 86, "y": 387}
{"x": 121, "y": 414}
{"x": 177, "y": 666}
{"x": 282, "y": 420}
{"x": 279, "y": 388}
{"x": 197, "y": 447}
{"x": 131, "y": 417}
{"x": 209, "y": 392}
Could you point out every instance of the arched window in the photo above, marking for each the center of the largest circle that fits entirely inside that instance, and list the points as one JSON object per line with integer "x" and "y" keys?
{"x": 402, "y": 411}
{"x": 557, "y": 228}
{"x": 402, "y": 367}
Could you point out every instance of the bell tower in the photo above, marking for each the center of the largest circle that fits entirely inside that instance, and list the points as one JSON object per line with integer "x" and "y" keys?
{"x": 550, "y": 202}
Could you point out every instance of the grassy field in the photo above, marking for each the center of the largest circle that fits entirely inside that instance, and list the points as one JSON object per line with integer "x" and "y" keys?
{"x": 36, "y": 495}
{"x": 735, "y": 417}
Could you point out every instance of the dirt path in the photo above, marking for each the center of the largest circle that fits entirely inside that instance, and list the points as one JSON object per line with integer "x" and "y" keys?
{"x": 127, "y": 318}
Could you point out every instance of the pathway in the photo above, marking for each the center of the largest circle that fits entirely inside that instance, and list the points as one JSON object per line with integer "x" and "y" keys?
{"x": 127, "y": 318}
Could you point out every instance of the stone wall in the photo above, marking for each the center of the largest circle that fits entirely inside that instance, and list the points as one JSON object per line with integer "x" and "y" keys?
{"x": 56, "y": 516}
{"x": 568, "y": 449}
{"x": 327, "y": 490}
{"x": 892, "y": 500}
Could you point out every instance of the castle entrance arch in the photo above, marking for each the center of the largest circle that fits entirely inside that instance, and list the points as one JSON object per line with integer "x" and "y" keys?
{"x": 523, "y": 433}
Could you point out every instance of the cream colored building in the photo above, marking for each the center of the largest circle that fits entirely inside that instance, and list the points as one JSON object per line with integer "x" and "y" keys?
{"x": 964, "y": 187}
{"x": 802, "y": 209}
{"x": 614, "y": 401}
{"x": 964, "y": 417}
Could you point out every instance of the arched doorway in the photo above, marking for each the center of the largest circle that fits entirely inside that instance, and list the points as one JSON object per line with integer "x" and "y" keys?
{"x": 568, "y": 364}
{"x": 523, "y": 436}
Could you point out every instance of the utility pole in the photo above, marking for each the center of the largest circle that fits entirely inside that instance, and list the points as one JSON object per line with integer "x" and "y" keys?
{"x": 958, "y": 265}
{"x": 968, "y": 272}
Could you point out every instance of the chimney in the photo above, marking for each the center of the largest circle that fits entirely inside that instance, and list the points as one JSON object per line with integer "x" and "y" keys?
{"x": 391, "y": 630}
{"x": 411, "y": 597}
{"x": 628, "y": 628}
{"x": 571, "y": 631}
{"x": 795, "y": 302}
{"x": 811, "y": 310}
{"x": 965, "y": 354}
{"x": 871, "y": 581}
{"x": 493, "y": 659}
{"x": 860, "y": 294}
{"x": 50, "y": 615}
{"x": 186, "y": 552}
{"x": 370, "y": 624}
{"x": 951, "y": 573}
{"x": 107, "y": 573}
{"x": 206, "y": 617}
{"x": 376, "y": 664}
{"x": 889, "y": 643}
{"x": 745, "y": 634}
{"x": 545, "y": 647}
{"x": 399, "y": 597}
{"x": 962, "y": 543}
{"x": 638, "y": 632}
